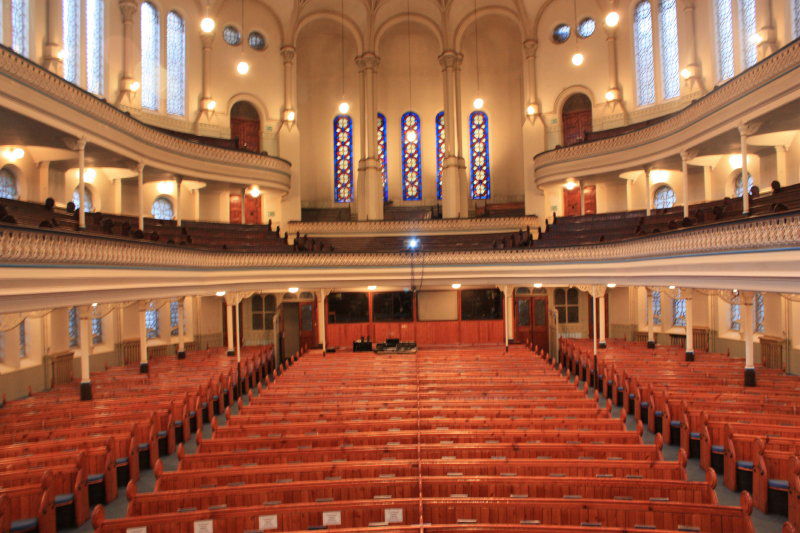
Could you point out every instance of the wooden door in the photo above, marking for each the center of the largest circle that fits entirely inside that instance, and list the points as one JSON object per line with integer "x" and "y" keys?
{"x": 236, "y": 209}
{"x": 540, "y": 323}
{"x": 590, "y": 199}
{"x": 252, "y": 210}
{"x": 522, "y": 319}
{"x": 308, "y": 324}
{"x": 247, "y": 132}
{"x": 572, "y": 201}
{"x": 576, "y": 119}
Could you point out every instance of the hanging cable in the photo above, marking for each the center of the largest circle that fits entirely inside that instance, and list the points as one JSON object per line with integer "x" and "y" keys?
{"x": 408, "y": 35}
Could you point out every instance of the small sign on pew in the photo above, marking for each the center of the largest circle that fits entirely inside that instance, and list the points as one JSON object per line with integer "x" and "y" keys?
{"x": 332, "y": 518}
{"x": 268, "y": 521}
{"x": 142, "y": 529}
{"x": 203, "y": 526}
{"x": 393, "y": 515}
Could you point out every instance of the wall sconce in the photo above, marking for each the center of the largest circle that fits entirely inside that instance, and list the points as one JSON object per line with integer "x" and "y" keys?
{"x": 532, "y": 111}
{"x": 691, "y": 76}
{"x": 207, "y": 106}
{"x": 571, "y": 184}
{"x": 613, "y": 97}
{"x": 254, "y": 191}
{"x": 129, "y": 89}
{"x": 289, "y": 116}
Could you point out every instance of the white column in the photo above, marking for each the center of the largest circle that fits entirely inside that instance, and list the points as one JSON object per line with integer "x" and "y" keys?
{"x": 321, "y": 295}
{"x": 128, "y": 9}
{"x": 178, "y": 217}
{"x": 182, "y": 327}
{"x": 508, "y": 321}
{"x": 746, "y": 299}
{"x": 462, "y": 166}
{"x": 196, "y": 204}
{"x": 85, "y": 314}
{"x": 745, "y": 173}
{"x": 54, "y": 38}
{"x": 238, "y": 337}
{"x": 370, "y": 205}
{"x": 708, "y": 183}
{"x": 685, "y": 168}
{"x": 651, "y": 339}
{"x": 688, "y": 295}
{"x": 82, "y": 183}
{"x": 648, "y": 196}
{"x": 451, "y": 187}
{"x": 695, "y": 79}
{"x": 766, "y": 29}
{"x": 602, "y": 313}
{"x": 529, "y": 48}
{"x": 206, "y": 41}
{"x": 144, "y": 366}
{"x": 229, "y": 324}
{"x": 781, "y": 165}
{"x": 140, "y": 193}
{"x": 594, "y": 324}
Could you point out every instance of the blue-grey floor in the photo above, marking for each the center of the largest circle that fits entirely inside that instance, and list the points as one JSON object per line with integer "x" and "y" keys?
{"x": 761, "y": 522}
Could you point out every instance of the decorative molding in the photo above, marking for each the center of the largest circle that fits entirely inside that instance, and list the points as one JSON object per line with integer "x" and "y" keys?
{"x": 43, "y": 247}
{"x": 419, "y": 227}
{"x": 753, "y": 84}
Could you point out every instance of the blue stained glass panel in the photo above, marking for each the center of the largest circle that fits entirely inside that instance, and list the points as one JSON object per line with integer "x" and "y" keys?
{"x": 73, "y": 327}
{"x": 412, "y": 156}
{"x": 162, "y": 209}
{"x": 480, "y": 182}
{"x": 440, "y": 152}
{"x": 173, "y": 318}
{"x": 71, "y": 27}
{"x": 19, "y": 26}
{"x": 670, "y": 61}
{"x": 176, "y": 64}
{"x": 8, "y": 185}
{"x": 723, "y": 15}
{"x": 343, "y": 159}
{"x": 736, "y": 315}
{"x": 95, "y": 32}
{"x": 679, "y": 312}
{"x": 758, "y": 304}
{"x": 747, "y": 21}
{"x": 97, "y": 331}
{"x": 151, "y": 57}
{"x": 656, "y": 308}
{"x": 382, "y": 155}
{"x": 664, "y": 197}
{"x": 23, "y": 350}
{"x": 643, "y": 54}
{"x": 151, "y": 322}
{"x": 796, "y": 18}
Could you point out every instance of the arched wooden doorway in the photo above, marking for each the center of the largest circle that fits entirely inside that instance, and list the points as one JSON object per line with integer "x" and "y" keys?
{"x": 576, "y": 118}
{"x": 246, "y": 126}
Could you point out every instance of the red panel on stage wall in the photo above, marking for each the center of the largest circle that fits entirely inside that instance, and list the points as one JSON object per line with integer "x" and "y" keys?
{"x": 344, "y": 334}
{"x": 482, "y": 332}
{"x": 435, "y": 333}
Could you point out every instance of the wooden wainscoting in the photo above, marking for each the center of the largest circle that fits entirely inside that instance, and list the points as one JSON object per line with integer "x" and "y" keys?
{"x": 58, "y": 368}
{"x": 772, "y": 352}
{"x": 130, "y": 350}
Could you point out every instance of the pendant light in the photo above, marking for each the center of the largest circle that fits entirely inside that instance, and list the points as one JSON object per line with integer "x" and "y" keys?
{"x": 344, "y": 107}
{"x": 478, "y": 102}
{"x": 577, "y": 57}
{"x": 242, "y": 67}
{"x": 411, "y": 134}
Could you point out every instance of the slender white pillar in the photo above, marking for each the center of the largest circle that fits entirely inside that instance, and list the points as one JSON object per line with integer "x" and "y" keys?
{"x": 229, "y": 323}
{"x": 689, "y": 296}
{"x": 140, "y": 193}
{"x": 648, "y": 196}
{"x": 594, "y": 324}
{"x": 781, "y": 165}
{"x": 745, "y": 173}
{"x": 128, "y": 9}
{"x": 451, "y": 186}
{"x": 708, "y": 183}
{"x": 651, "y": 339}
{"x": 507, "y": 312}
{"x": 321, "y": 295}
{"x": 602, "y": 313}
{"x": 238, "y": 337}
{"x": 82, "y": 183}
{"x": 182, "y": 327}
{"x": 85, "y": 314}
{"x": 747, "y": 329}
{"x": 144, "y": 366}
{"x": 685, "y": 168}
{"x": 178, "y": 217}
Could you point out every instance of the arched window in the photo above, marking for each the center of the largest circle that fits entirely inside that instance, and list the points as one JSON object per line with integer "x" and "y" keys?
{"x": 440, "y": 146}
{"x": 8, "y": 185}
{"x": 643, "y": 53}
{"x": 723, "y": 17}
{"x": 151, "y": 322}
{"x": 679, "y": 312}
{"x": 97, "y": 331}
{"x": 23, "y": 351}
{"x": 382, "y": 157}
{"x": 174, "y": 318}
{"x": 343, "y": 159}
{"x": 76, "y": 199}
{"x": 176, "y": 64}
{"x": 656, "y": 309}
{"x": 412, "y": 156}
{"x": 95, "y": 39}
{"x": 738, "y": 185}
{"x": 162, "y": 209}
{"x": 736, "y": 314}
{"x": 71, "y": 29}
{"x": 20, "y": 26}
{"x": 481, "y": 180}
{"x": 151, "y": 57}
{"x": 73, "y": 327}
{"x": 758, "y": 315}
{"x": 664, "y": 197}
{"x": 747, "y": 25}
{"x": 670, "y": 61}
{"x": 796, "y": 18}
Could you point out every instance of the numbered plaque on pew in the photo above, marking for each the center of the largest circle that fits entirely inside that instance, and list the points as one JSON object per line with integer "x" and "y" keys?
{"x": 268, "y": 521}
{"x": 393, "y": 516}
{"x": 332, "y": 518}
{"x": 142, "y": 529}
{"x": 203, "y": 526}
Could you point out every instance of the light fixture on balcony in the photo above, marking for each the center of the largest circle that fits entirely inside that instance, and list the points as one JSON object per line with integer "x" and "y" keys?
{"x": 208, "y": 105}
{"x": 537, "y": 285}
{"x": 611, "y": 285}
{"x": 13, "y": 154}
{"x": 294, "y": 290}
{"x": 371, "y": 287}
{"x": 456, "y": 286}
{"x": 612, "y": 95}
{"x": 253, "y": 191}
{"x": 578, "y": 59}
{"x": 571, "y": 184}
{"x": 207, "y": 25}
{"x": 220, "y": 293}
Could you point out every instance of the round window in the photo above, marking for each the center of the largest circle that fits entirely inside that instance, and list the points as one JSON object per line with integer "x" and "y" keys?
{"x": 586, "y": 27}
{"x": 257, "y": 41}
{"x": 561, "y": 33}
{"x": 231, "y": 35}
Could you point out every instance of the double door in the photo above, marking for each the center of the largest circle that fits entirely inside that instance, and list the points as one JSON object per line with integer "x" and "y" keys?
{"x": 531, "y": 320}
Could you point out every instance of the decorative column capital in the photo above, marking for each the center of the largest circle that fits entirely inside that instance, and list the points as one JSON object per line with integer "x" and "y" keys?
{"x": 142, "y": 305}
{"x": 128, "y": 8}
{"x": 207, "y": 39}
{"x": 140, "y": 166}
{"x": 288, "y": 53}
{"x": 368, "y": 61}
{"x": 450, "y": 59}
{"x": 746, "y": 129}
{"x": 530, "y": 46}
{"x": 689, "y": 154}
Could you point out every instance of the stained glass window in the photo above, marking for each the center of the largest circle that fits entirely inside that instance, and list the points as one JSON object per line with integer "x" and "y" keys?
{"x": 738, "y": 186}
{"x": 74, "y": 327}
{"x": 736, "y": 314}
{"x": 97, "y": 331}
{"x": 664, "y": 197}
{"x": 412, "y": 156}
{"x": 162, "y": 209}
{"x": 796, "y": 18}
{"x": 382, "y": 156}
{"x": 76, "y": 199}
{"x": 176, "y": 64}
{"x": 8, "y": 185}
{"x": 22, "y": 342}
{"x": 643, "y": 52}
{"x": 480, "y": 177}
{"x": 95, "y": 38}
{"x": 231, "y": 35}
{"x": 656, "y": 308}
{"x": 679, "y": 312}
{"x": 257, "y": 41}
{"x": 758, "y": 316}
{"x": 343, "y": 159}
{"x": 71, "y": 28}
{"x": 747, "y": 23}
{"x": 586, "y": 27}
{"x": 151, "y": 57}
{"x": 174, "y": 318}
{"x": 19, "y": 26}
{"x": 151, "y": 322}
{"x": 723, "y": 16}
{"x": 670, "y": 61}
{"x": 440, "y": 147}
{"x": 561, "y": 33}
